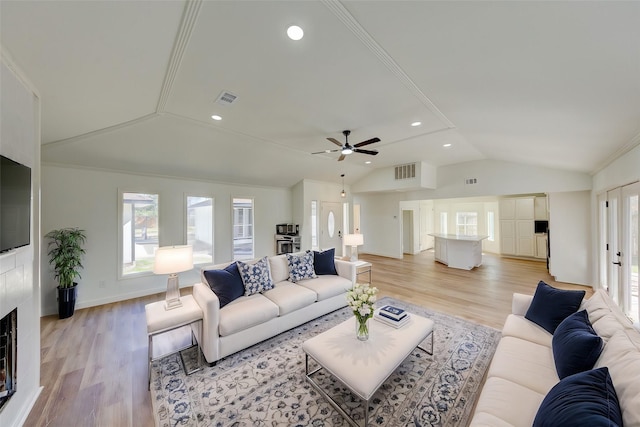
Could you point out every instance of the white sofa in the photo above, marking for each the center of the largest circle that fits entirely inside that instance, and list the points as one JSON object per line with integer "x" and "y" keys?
{"x": 523, "y": 371}
{"x": 249, "y": 320}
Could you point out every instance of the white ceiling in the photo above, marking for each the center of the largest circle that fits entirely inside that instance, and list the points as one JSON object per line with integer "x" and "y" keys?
{"x": 131, "y": 85}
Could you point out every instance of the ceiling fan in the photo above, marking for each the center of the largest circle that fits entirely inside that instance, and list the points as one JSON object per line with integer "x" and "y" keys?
{"x": 346, "y": 148}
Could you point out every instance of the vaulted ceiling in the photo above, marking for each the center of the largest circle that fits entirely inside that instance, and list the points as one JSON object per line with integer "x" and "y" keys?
{"x": 132, "y": 85}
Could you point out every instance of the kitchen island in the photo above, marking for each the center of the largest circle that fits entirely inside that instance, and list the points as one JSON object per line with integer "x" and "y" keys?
{"x": 463, "y": 252}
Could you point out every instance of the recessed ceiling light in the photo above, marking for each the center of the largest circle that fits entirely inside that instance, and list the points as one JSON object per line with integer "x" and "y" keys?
{"x": 295, "y": 33}
{"x": 368, "y": 162}
{"x": 414, "y": 124}
{"x": 446, "y": 145}
{"x": 216, "y": 117}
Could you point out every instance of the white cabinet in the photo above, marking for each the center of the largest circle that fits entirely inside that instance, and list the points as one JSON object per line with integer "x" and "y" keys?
{"x": 524, "y": 208}
{"x": 540, "y": 209}
{"x": 440, "y": 250}
{"x": 525, "y": 238}
{"x": 508, "y": 236}
{"x": 517, "y": 236}
{"x": 541, "y": 246}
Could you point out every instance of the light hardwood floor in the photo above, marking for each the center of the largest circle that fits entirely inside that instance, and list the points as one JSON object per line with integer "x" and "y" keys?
{"x": 94, "y": 364}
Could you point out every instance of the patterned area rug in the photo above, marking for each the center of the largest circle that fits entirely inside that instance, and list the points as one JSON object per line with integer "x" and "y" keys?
{"x": 265, "y": 385}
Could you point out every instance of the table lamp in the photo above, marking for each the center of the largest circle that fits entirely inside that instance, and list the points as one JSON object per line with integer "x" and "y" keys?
{"x": 354, "y": 240}
{"x": 172, "y": 260}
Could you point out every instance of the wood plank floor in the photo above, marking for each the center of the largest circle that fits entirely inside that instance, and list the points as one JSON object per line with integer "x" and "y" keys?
{"x": 94, "y": 369}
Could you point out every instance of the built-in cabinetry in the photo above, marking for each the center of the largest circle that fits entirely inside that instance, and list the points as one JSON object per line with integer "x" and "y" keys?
{"x": 517, "y": 216}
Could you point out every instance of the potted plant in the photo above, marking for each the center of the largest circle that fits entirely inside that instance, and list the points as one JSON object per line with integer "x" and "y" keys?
{"x": 65, "y": 254}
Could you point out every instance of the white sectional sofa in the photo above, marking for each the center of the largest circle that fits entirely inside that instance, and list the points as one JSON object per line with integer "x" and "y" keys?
{"x": 523, "y": 370}
{"x": 248, "y": 320}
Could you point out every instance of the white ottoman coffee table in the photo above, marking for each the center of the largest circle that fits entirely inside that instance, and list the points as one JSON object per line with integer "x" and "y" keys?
{"x": 363, "y": 366}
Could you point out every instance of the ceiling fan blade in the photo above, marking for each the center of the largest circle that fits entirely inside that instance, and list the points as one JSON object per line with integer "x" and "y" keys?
{"x": 335, "y": 141}
{"x": 341, "y": 158}
{"x": 371, "y": 152}
{"x": 326, "y": 152}
{"x": 367, "y": 142}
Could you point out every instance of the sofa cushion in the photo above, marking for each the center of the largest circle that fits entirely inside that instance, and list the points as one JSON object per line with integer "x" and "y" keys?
{"x": 290, "y": 297}
{"x": 300, "y": 267}
{"x": 584, "y": 399}
{"x": 245, "y": 312}
{"x": 525, "y": 363}
{"x": 550, "y": 306}
{"x": 256, "y": 276}
{"x": 327, "y": 286}
{"x": 324, "y": 262}
{"x": 621, "y": 355}
{"x": 576, "y": 346}
{"x": 503, "y": 402}
{"x": 519, "y": 327}
{"x": 605, "y": 316}
{"x": 226, "y": 284}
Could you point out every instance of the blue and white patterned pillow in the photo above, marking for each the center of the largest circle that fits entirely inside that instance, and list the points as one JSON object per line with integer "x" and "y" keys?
{"x": 301, "y": 267}
{"x": 256, "y": 277}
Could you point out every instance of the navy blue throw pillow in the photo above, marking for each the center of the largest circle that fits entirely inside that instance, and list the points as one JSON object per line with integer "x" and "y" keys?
{"x": 576, "y": 346}
{"x": 579, "y": 400}
{"x": 226, "y": 284}
{"x": 324, "y": 262}
{"x": 550, "y": 306}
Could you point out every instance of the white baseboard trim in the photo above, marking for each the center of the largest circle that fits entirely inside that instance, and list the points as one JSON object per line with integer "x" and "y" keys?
{"x": 22, "y": 419}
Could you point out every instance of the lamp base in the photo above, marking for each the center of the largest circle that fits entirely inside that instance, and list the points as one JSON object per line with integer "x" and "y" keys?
{"x": 354, "y": 254}
{"x": 172, "y": 299}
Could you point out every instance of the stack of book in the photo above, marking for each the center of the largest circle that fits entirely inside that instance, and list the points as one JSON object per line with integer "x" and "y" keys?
{"x": 392, "y": 316}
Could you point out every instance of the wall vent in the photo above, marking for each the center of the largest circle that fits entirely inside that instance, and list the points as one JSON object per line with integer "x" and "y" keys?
{"x": 407, "y": 171}
{"x": 226, "y": 98}
{"x": 471, "y": 181}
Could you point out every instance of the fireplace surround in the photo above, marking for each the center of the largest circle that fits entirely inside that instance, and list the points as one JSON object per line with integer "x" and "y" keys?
{"x": 8, "y": 353}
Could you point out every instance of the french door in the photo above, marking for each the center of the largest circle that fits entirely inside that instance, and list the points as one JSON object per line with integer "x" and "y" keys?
{"x": 623, "y": 247}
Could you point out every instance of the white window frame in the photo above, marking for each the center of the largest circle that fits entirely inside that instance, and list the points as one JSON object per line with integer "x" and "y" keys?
{"x": 120, "y": 260}
{"x": 253, "y": 226}
{"x": 186, "y": 225}
{"x": 465, "y": 224}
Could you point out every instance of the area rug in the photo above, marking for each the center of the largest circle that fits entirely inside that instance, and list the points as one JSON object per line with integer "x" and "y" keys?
{"x": 265, "y": 385}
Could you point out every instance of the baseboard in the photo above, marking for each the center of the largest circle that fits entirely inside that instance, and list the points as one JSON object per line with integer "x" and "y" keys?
{"x": 20, "y": 421}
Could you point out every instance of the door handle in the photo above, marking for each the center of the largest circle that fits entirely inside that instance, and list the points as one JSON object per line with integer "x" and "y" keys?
{"x": 617, "y": 263}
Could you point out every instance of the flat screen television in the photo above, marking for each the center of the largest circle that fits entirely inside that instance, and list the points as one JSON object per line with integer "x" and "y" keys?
{"x": 15, "y": 204}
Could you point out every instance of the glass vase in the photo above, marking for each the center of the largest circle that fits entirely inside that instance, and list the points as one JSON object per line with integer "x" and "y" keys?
{"x": 362, "y": 328}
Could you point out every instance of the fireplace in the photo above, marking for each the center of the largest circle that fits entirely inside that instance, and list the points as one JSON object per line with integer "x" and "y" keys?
{"x": 8, "y": 351}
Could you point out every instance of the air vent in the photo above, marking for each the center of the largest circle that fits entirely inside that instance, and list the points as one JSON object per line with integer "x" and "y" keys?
{"x": 226, "y": 98}
{"x": 407, "y": 171}
{"x": 470, "y": 181}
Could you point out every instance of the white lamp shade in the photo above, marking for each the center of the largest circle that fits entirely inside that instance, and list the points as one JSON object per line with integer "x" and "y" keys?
{"x": 353, "y": 239}
{"x": 173, "y": 259}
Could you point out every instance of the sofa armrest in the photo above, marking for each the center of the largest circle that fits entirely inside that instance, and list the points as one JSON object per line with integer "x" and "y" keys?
{"x": 346, "y": 269}
{"x": 210, "y": 306}
{"x": 520, "y": 303}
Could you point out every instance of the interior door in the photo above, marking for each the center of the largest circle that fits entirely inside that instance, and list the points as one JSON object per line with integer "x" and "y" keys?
{"x": 331, "y": 224}
{"x": 629, "y": 256}
{"x": 614, "y": 244}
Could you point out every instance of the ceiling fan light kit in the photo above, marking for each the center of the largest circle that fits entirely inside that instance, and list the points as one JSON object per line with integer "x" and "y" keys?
{"x": 346, "y": 148}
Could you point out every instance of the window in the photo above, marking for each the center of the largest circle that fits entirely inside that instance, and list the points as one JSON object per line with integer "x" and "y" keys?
{"x": 200, "y": 228}
{"x": 314, "y": 225}
{"x": 491, "y": 229}
{"x": 139, "y": 232}
{"x": 443, "y": 223}
{"x": 242, "y": 229}
{"x": 466, "y": 223}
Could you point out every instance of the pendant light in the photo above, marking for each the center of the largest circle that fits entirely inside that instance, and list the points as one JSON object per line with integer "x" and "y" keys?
{"x": 343, "y": 193}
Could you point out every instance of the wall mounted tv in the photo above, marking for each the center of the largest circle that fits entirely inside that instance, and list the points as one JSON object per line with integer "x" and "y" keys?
{"x": 15, "y": 204}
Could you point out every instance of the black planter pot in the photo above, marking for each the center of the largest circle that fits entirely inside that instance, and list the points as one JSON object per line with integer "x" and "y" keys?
{"x": 67, "y": 301}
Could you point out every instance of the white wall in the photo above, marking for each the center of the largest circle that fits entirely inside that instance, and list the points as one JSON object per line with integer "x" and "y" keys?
{"x": 88, "y": 199}
{"x": 624, "y": 170}
{"x": 570, "y": 232}
{"x": 381, "y": 224}
{"x": 19, "y": 269}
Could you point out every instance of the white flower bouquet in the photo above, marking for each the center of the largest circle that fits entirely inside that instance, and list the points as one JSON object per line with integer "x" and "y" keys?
{"x": 361, "y": 300}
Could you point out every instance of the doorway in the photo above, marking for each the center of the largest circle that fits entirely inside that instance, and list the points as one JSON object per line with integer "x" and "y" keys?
{"x": 620, "y": 221}
{"x": 407, "y": 232}
{"x": 331, "y": 223}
